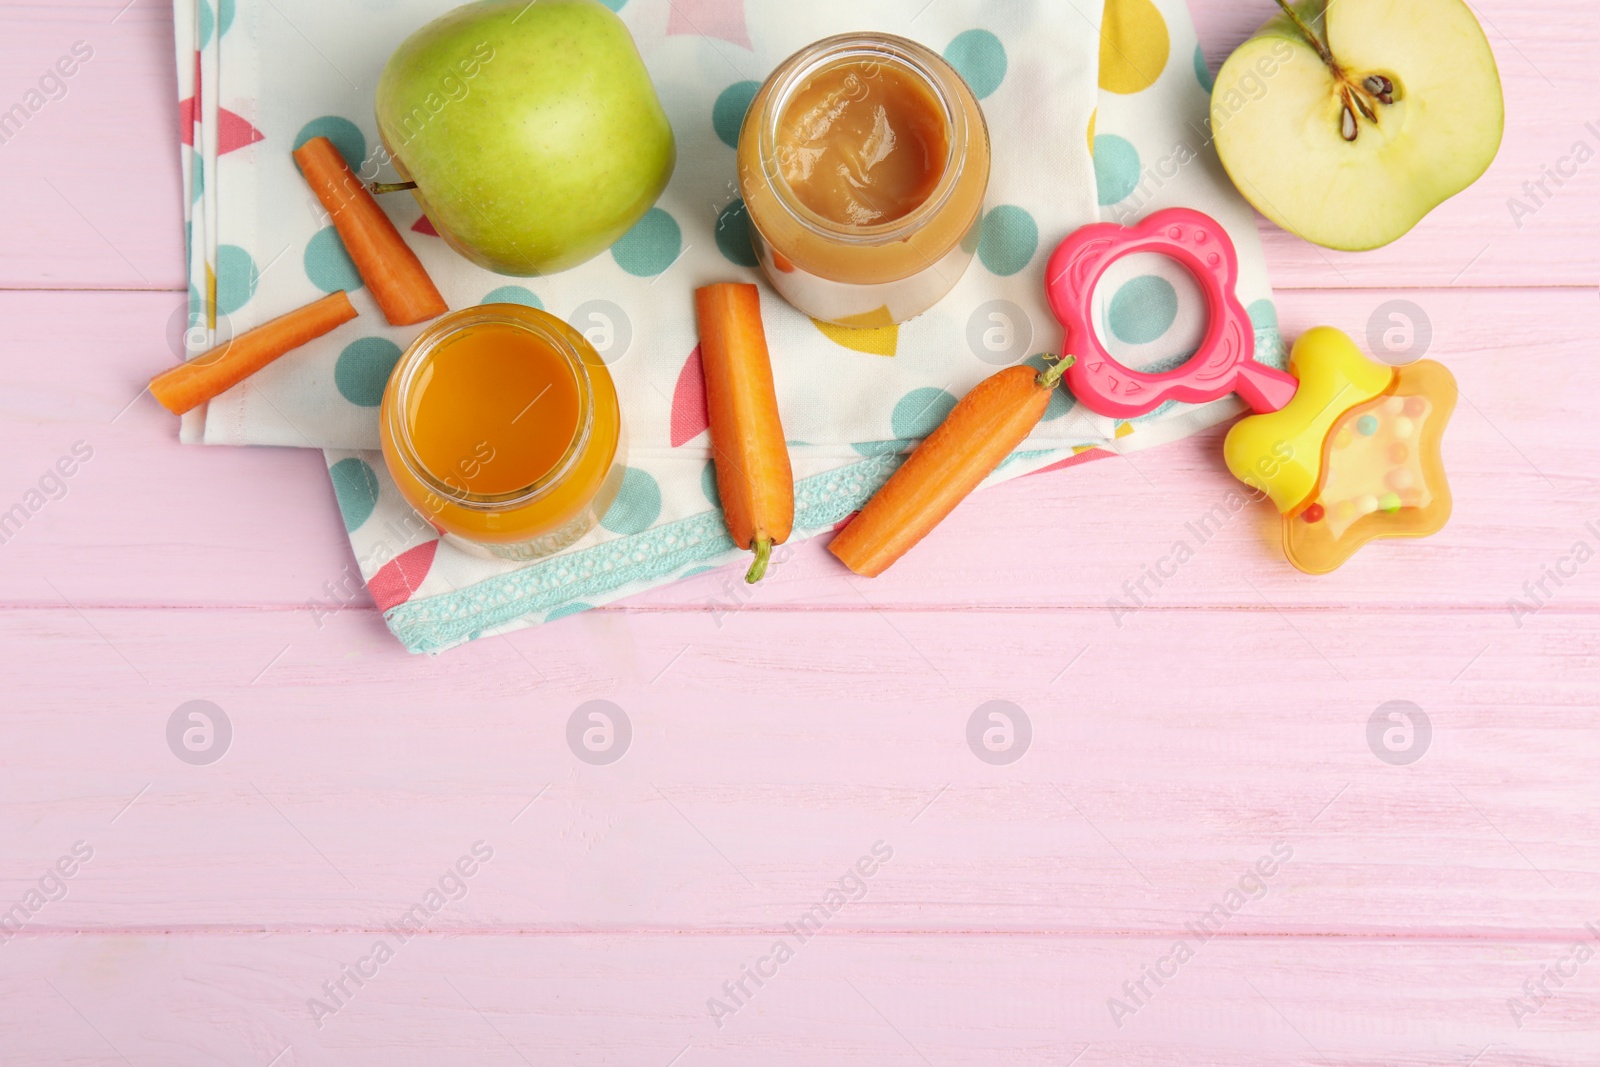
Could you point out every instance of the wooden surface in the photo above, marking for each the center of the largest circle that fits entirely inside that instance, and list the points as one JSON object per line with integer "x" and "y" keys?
{"x": 777, "y": 737}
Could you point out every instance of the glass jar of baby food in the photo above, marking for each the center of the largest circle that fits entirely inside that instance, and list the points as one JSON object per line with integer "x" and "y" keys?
{"x": 500, "y": 426}
{"x": 863, "y": 163}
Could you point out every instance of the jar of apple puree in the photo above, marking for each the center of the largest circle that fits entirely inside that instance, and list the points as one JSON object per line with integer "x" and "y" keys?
{"x": 863, "y": 163}
{"x": 500, "y": 427}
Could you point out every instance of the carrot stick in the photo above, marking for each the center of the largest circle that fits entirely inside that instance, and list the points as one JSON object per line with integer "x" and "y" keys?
{"x": 391, "y": 270}
{"x": 747, "y": 442}
{"x": 191, "y": 384}
{"x": 983, "y": 429}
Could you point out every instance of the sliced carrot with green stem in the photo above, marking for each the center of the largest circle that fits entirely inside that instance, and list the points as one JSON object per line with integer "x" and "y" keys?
{"x": 747, "y": 443}
{"x": 978, "y": 434}
{"x": 191, "y": 384}
{"x": 387, "y": 264}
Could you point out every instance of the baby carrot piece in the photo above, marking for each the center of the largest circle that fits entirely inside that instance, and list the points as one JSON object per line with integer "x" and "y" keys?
{"x": 983, "y": 429}
{"x": 391, "y": 270}
{"x": 747, "y": 442}
{"x": 191, "y": 384}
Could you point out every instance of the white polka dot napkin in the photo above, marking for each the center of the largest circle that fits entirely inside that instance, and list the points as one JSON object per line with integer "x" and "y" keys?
{"x": 257, "y": 77}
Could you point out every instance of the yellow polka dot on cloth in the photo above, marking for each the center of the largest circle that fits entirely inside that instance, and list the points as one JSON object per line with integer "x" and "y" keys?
{"x": 1134, "y": 46}
{"x": 875, "y": 333}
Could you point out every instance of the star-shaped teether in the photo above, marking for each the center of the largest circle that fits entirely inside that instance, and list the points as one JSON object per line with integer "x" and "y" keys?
{"x": 1354, "y": 456}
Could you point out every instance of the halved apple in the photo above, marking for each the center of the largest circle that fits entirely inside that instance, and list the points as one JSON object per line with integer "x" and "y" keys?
{"x": 1346, "y": 122}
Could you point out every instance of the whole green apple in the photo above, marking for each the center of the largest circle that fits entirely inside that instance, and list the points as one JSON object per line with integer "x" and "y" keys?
{"x": 1347, "y": 121}
{"x": 531, "y": 129}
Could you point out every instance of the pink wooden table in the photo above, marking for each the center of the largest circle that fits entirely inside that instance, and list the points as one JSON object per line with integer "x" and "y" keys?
{"x": 1415, "y": 914}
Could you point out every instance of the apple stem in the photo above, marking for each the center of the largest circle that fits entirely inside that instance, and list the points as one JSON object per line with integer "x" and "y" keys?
{"x": 1312, "y": 39}
{"x": 379, "y": 188}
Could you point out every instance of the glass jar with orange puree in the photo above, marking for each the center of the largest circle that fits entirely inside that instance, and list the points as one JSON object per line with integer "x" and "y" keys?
{"x": 863, "y": 164}
{"x": 500, "y": 427}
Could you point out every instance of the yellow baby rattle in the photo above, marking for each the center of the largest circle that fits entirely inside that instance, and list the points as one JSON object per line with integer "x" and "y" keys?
{"x": 1353, "y": 456}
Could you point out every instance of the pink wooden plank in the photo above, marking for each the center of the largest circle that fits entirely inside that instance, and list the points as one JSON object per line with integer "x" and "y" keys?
{"x": 121, "y": 109}
{"x": 243, "y": 1000}
{"x": 770, "y": 749}
{"x": 93, "y": 177}
{"x": 150, "y": 522}
{"x": 783, "y": 737}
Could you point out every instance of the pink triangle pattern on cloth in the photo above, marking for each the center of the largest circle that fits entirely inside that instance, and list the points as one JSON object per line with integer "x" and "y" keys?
{"x": 722, "y": 19}
{"x": 402, "y": 576}
{"x": 689, "y": 415}
{"x": 1088, "y": 455}
{"x": 233, "y": 131}
{"x": 189, "y": 110}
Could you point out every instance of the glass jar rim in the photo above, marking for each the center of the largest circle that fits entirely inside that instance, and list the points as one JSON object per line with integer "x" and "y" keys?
{"x": 417, "y": 356}
{"x": 926, "y": 66}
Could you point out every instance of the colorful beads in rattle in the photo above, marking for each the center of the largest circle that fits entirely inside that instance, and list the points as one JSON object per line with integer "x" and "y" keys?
{"x": 1354, "y": 456}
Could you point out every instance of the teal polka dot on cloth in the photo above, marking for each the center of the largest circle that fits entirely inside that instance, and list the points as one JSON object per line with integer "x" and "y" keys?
{"x": 199, "y": 183}
{"x": 971, "y": 239}
{"x": 1010, "y": 238}
{"x": 513, "y": 294}
{"x": 1202, "y": 72}
{"x": 727, "y": 114}
{"x": 1061, "y": 400}
{"x": 328, "y": 264}
{"x": 917, "y": 414}
{"x": 708, "y": 484}
{"x": 1116, "y": 168}
{"x": 615, "y": 5}
{"x": 1142, "y": 309}
{"x": 651, "y": 246}
{"x": 881, "y": 448}
{"x": 208, "y": 23}
{"x": 920, "y": 412}
{"x": 577, "y": 606}
{"x": 224, "y": 16}
{"x": 1263, "y": 315}
{"x": 237, "y": 277}
{"x": 980, "y": 58}
{"x": 733, "y": 235}
{"x": 363, "y": 370}
{"x": 345, "y": 135}
{"x": 357, "y": 489}
{"x": 638, "y": 504}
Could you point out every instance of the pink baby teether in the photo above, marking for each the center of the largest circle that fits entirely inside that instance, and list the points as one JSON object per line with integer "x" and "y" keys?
{"x": 1224, "y": 362}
